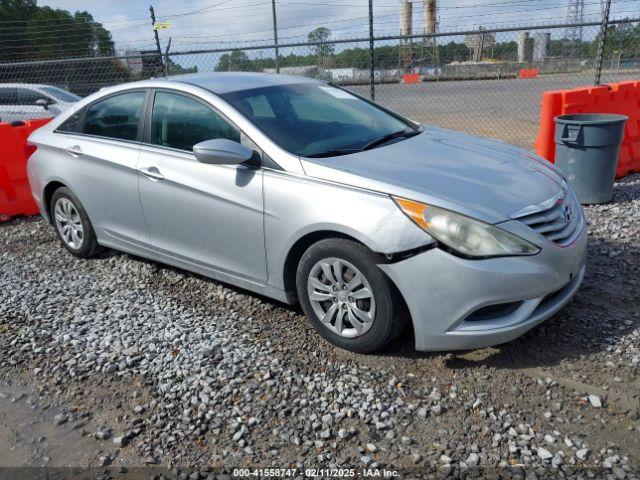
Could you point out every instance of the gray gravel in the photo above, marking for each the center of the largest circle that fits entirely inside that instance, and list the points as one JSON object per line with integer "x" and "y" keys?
{"x": 198, "y": 372}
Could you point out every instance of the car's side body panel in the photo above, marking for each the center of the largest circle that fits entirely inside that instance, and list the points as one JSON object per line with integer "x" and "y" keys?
{"x": 103, "y": 164}
{"x": 296, "y": 206}
{"x": 210, "y": 214}
{"x": 91, "y": 175}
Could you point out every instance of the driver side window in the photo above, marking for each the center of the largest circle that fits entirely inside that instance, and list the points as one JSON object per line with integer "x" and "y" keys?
{"x": 181, "y": 122}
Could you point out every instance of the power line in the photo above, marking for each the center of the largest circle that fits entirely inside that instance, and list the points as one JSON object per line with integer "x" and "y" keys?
{"x": 212, "y": 7}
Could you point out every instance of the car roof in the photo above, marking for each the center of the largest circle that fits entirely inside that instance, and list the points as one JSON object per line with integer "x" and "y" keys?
{"x": 225, "y": 82}
{"x": 24, "y": 85}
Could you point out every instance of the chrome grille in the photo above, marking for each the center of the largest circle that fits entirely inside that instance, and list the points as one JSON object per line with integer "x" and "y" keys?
{"x": 559, "y": 223}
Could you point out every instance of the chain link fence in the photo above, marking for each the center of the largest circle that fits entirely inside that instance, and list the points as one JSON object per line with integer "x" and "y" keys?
{"x": 463, "y": 80}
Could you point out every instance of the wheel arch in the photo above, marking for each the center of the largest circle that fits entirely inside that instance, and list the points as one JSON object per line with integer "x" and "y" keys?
{"x": 47, "y": 195}
{"x": 300, "y": 246}
{"x": 297, "y": 249}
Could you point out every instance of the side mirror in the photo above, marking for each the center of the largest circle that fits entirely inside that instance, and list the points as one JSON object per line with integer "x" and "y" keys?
{"x": 44, "y": 103}
{"x": 221, "y": 151}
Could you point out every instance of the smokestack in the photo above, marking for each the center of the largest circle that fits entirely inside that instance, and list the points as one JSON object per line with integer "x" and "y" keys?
{"x": 522, "y": 46}
{"x": 406, "y": 21}
{"x": 406, "y": 17}
{"x": 541, "y": 41}
{"x": 429, "y": 16}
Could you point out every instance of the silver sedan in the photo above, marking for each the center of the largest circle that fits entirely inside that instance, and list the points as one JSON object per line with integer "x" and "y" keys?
{"x": 303, "y": 191}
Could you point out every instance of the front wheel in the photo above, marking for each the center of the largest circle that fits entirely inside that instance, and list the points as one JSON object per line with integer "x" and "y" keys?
{"x": 347, "y": 298}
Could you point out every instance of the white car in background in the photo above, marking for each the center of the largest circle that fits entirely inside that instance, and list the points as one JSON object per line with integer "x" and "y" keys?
{"x": 26, "y": 101}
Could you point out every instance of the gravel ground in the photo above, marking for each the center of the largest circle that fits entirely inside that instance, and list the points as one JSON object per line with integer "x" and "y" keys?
{"x": 160, "y": 366}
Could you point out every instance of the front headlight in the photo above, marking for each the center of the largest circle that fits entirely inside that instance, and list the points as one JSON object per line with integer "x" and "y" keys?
{"x": 464, "y": 235}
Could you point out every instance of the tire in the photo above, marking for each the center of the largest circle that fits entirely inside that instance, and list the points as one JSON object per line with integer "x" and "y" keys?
{"x": 385, "y": 305}
{"x": 71, "y": 213}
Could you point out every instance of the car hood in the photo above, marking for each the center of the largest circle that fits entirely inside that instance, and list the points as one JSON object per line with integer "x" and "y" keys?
{"x": 485, "y": 179}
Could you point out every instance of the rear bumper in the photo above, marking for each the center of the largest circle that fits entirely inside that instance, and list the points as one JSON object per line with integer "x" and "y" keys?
{"x": 37, "y": 189}
{"x": 442, "y": 291}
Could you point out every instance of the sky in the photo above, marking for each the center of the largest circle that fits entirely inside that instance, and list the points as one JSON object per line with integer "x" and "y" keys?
{"x": 201, "y": 24}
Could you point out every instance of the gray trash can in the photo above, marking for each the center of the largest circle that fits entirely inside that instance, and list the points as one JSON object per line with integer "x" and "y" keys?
{"x": 587, "y": 148}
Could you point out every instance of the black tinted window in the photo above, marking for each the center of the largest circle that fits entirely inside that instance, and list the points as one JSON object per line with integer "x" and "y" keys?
{"x": 115, "y": 117}
{"x": 29, "y": 97}
{"x": 8, "y": 96}
{"x": 72, "y": 124}
{"x": 181, "y": 122}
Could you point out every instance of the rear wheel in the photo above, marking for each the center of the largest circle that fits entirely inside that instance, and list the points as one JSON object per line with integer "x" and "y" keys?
{"x": 72, "y": 224}
{"x": 347, "y": 298}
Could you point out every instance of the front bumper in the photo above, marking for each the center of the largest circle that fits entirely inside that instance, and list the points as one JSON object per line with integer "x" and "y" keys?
{"x": 442, "y": 291}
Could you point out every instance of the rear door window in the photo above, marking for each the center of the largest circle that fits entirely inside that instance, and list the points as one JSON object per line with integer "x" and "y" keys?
{"x": 72, "y": 124}
{"x": 116, "y": 117}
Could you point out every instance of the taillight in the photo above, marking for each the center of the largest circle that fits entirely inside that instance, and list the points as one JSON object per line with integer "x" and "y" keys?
{"x": 29, "y": 149}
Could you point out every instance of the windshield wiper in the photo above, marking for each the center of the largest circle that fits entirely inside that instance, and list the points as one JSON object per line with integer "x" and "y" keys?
{"x": 406, "y": 133}
{"x": 333, "y": 152}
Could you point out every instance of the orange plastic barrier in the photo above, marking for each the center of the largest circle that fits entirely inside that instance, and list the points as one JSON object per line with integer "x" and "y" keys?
{"x": 15, "y": 194}
{"x": 411, "y": 78}
{"x": 622, "y": 98}
{"x": 528, "y": 73}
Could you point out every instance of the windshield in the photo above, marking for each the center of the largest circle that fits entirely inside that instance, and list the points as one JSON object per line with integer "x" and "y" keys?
{"x": 60, "y": 94}
{"x": 309, "y": 119}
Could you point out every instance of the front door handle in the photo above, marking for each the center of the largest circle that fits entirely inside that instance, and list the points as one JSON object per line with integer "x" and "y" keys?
{"x": 152, "y": 172}
{"x": 75, "y": 151}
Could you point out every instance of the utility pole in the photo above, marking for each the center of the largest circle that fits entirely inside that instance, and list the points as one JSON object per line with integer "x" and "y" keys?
{"x": 155, "y": 33}
{"x": 275, "y": 33}
{"x": 167, "y": 65}
{"x": 480, "y": 51}
{"x": 603, "y": 37}
{"x": 573, "y": 32}
{"x": 372, "y": 76}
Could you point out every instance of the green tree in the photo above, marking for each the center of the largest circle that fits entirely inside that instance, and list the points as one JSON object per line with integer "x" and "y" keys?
{"x": 321, "y": 49}
{"x": 623, "y": 39}
{"x": 30, "y": 32}
{"x": 236, "y": 61}
{"x": 14, "y": 15}
{"x": 506, "y": 51}
{"x": 174, "y": 68}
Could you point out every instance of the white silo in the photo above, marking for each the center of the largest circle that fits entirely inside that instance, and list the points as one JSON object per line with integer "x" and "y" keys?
{"x": 541, "y": 41}
{"x": 406, "y": 17}
{"x": 406, "y": 23}
{"x": 429, "y": 16}
{"x": 522, "y": 46}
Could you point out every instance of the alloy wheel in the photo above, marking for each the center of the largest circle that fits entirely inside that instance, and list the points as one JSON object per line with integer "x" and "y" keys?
{"x": 341, "y": 297}
{"x": 69, "y": 223}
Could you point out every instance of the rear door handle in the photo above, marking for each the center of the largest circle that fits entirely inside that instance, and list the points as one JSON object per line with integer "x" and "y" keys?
{"x": 76, "y": 151}
{"x": 152, "y": 172}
